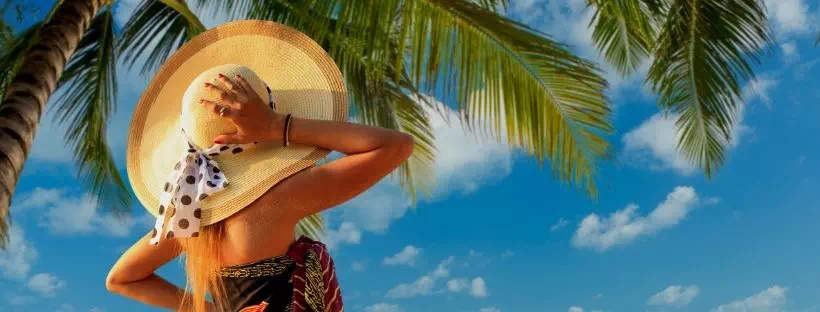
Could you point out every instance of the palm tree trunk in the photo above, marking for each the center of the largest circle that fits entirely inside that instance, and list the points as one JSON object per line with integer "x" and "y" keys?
{"x": 28, "y": 93}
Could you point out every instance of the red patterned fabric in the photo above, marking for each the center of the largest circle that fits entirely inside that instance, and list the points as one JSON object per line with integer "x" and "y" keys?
{"x": 257, "y": 308}
{"x": 315, "y": 288}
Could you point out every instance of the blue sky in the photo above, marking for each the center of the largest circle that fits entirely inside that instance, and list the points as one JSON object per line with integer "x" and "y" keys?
{"x": 500, "y": 234}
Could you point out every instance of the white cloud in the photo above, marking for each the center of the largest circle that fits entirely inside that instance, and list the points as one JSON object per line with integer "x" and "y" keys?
{"x": 71, "y": 215}
{"x": 790, "y": 53}
{"x": 760, "y": 89}
{"x": 407, "y": 256}
{"x": 457, "y": 284}
{"x": 478, "y": 288}
{"x": 65, "y": 307}
{"x": 789, "y": 16}
{"x": 675, "y": 296}
{"x": 772, "y": 299}
{"x": 358, "y": 266}
{"x": 96, "y": 309}
{"x": 65, "y": 214}
{"x": 506, "y": 254}
{"x": 490, "y": 309}
{"x": 45, "y": 284}
{"x": 383, "y": 307}
{"x": 626, "y": 225}
{"x": 422, "y": 286}
{"x": 16, "y": 260}
{"x": 560, "y": 224}
{"x": 442, "y": 269}
{"x": 347, "y": 233}
{"x": 464, "y": 162}
{"x": 39, "y": 197}
{"x": 655, "y": 142}
{"x": 377, "y": 207}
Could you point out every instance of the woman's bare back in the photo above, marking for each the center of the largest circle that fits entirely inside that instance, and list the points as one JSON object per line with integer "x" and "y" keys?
{"x": 259, "y": 231}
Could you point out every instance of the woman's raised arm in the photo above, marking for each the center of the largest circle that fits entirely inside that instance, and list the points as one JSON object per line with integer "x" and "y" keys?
{"x": 371, "y": 153}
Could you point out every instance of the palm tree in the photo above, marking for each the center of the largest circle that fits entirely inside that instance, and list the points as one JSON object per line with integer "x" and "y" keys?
{"x": 702, "y": 50}
{"x": 394, "y": 52}
{"x": 36, "y": 70}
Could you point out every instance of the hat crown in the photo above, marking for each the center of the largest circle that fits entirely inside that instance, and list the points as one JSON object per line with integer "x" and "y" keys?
{"x": 202, "y": 124}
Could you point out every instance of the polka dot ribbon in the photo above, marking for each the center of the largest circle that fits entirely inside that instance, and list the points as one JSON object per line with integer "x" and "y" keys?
{"x": 195, "y": 177}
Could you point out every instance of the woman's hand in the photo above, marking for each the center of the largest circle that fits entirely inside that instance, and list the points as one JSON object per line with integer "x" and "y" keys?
{"x": 254, "y": 120}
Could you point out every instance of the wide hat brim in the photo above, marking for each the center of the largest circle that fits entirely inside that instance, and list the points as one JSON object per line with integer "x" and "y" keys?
{"x": 302, "y": 77}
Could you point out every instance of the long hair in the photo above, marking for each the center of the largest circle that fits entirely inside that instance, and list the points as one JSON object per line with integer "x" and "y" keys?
{"x": 202, "y": 262}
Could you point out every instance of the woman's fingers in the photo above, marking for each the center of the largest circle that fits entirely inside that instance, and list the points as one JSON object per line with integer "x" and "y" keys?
{"x": 225, "y": 97}
{"x": 242, "y": 83}
{"x": 230, "y": 85}
{"x": 220, "y": 110}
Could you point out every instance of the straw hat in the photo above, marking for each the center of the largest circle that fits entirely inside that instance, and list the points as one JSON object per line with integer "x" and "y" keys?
{"x": 303, "y": 80}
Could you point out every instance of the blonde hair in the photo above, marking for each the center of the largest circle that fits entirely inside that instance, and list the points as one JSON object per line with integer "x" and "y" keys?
{"x": 202, "y": 262}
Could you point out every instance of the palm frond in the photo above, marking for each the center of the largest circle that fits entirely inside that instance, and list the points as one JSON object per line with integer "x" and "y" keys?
{"x": 155, "y": 31}
{"x": 387, "y": 98}
{"x": 16, "y": 47}
{"x": 623, "y": 33}
{"x": 88, "y": 98}
{"x": 311, "y": 226}
{"x": 390, "y": 106}
{"x": 502, "y": 72}
{"x": 704, "y": 51}
{"x": 380, "y": 94}
{"x": 7, "y": 36}
{"x": 552, "y": 102}
{"x": 492, "y": 5}
{"x": 234, "y": 8}
{"x": 657, "y": 9}
{"x": 13, "y": 53}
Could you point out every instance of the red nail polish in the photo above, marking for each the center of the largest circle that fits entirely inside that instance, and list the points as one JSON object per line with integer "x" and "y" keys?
{"x": 218, "y": 141}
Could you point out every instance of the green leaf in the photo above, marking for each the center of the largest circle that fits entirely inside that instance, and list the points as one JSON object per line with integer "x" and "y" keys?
{"x": 154, "y": 32}
{"x": 311, "y": 226}
{"x": 234, "y": 8}
{"x": 13, "y": 52}
{"x": 552, "y": 102}
{"x": 623, "y": 32}
{"x": 501, "y": 72}
{"x": 703, "y": 53}
{"x": 88, "y": 97}
{"x": 380, "y": 94}
{"x": 16, "y": 46}
{"x": 399, "y": 108}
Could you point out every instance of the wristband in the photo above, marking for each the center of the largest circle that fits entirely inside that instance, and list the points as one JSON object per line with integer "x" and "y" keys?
{"x": 286, "y": 140}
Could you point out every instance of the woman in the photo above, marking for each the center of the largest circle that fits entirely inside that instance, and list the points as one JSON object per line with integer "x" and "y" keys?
{"x": 242, "y": 172}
